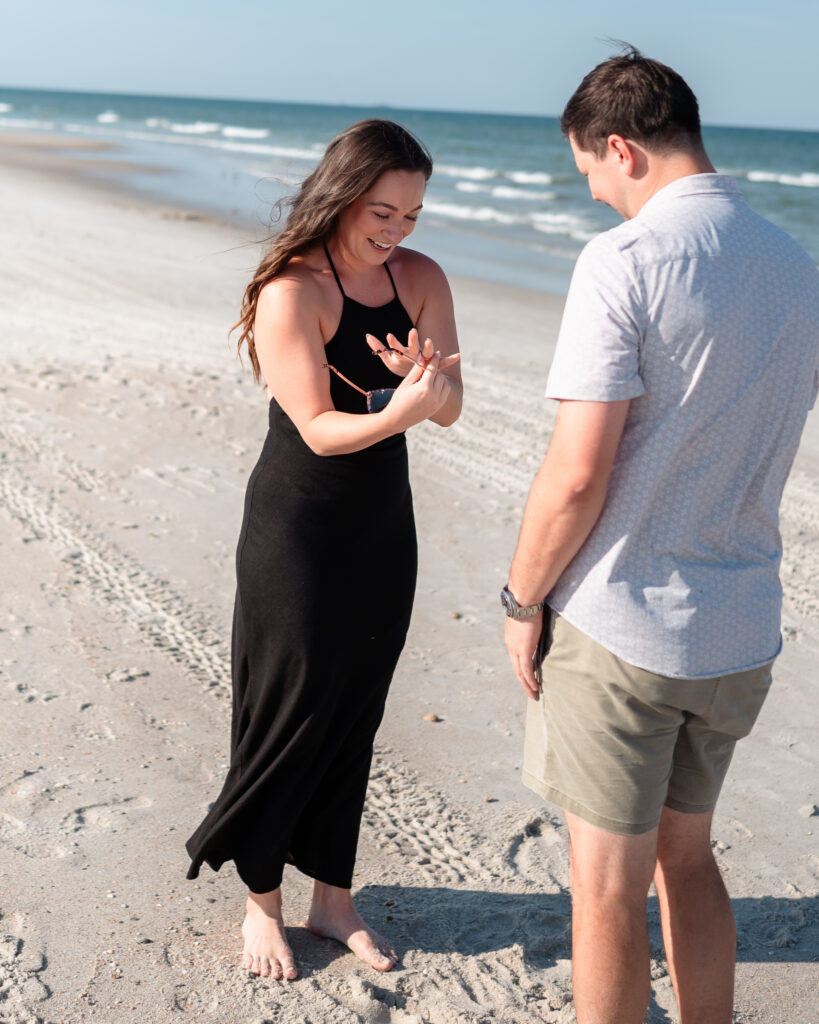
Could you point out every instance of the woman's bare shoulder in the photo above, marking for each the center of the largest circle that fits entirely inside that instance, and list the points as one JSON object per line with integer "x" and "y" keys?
{"x": 296, "y": 288}
{"x": 410, "y": 261}
{"x": 417, "y": 275}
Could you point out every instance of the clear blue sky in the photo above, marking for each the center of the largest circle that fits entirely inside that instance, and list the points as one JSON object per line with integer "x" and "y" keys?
{"x": 750, "y": 62}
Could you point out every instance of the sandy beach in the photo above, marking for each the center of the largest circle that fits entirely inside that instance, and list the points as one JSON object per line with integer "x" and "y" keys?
{"x": 127, "y": 434}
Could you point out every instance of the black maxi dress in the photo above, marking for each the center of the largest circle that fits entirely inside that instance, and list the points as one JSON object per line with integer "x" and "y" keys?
{"x": 326, "y": 566}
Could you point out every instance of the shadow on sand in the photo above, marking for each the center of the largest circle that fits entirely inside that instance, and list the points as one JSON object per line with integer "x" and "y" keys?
{"x": 473, "y": 923}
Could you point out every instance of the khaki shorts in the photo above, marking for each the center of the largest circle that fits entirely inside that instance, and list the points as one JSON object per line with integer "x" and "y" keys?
{"x": 614, "y": 744}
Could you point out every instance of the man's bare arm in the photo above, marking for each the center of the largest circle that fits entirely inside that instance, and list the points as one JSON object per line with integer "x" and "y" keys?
{"x": 564, "y": 503}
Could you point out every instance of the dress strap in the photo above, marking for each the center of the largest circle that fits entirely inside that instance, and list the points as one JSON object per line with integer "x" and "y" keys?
{"x": 389, "y": 275}
{"x": 338, "y": 279}
{"x": 335, "y": 272}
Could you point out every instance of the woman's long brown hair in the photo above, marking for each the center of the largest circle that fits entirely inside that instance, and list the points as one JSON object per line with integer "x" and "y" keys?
{"x": 351, "y": 165}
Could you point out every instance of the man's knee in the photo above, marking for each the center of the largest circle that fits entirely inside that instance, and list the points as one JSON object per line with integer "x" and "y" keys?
{"x": 684, "y": 844}
{"x": 606, "y": 865}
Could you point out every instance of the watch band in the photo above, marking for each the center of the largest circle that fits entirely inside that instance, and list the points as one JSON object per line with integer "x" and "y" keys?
{"x": 516, "y": 611}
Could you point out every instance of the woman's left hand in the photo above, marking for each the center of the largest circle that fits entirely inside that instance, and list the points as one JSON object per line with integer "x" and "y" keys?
{"x": 401, "y": 358}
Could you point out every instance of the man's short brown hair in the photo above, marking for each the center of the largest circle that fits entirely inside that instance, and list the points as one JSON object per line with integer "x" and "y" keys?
{"x": 635, "y": 97}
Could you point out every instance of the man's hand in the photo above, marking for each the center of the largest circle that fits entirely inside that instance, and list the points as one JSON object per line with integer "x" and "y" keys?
{"x": 522, "y": 636}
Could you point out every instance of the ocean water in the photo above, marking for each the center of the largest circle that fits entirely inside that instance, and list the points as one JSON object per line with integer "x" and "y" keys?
{"x": 505, "y": 202}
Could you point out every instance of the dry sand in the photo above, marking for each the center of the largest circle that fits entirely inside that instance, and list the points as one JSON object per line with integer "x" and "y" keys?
{"x": 127, "y": 433}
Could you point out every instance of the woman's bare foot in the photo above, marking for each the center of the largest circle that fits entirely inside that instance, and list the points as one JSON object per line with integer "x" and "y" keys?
{"x": 333, "y": 916}
{"x": 266, "y": 950}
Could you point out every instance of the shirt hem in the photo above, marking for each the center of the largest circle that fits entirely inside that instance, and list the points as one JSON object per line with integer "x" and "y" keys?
{"x": 619, "y": 393}
{"x": 623, "y": 655}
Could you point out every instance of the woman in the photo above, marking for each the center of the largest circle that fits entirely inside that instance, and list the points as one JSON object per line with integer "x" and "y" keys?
{"x": 327, "y": 553}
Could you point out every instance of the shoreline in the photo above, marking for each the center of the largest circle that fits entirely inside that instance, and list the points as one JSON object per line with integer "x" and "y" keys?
{"x": 128, "y": 435}
{"x": 54, "y": 156}
{"x": 478, "y": 302}
{"x": 37, "y": 153}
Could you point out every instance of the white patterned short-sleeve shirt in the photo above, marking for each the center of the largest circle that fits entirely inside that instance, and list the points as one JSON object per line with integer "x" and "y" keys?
{"x": 706, "y": 316}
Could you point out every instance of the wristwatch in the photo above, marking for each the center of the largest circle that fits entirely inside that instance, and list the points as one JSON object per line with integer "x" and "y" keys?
{"x": 514, "y": 610}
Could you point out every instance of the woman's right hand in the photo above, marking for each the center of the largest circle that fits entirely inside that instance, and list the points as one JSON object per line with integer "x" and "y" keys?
{"x": 400, "y": 359}
{"x": 419, "y": 395}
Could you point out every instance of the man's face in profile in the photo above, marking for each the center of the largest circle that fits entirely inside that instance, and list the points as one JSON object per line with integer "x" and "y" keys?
{"x": 605, "y": 175}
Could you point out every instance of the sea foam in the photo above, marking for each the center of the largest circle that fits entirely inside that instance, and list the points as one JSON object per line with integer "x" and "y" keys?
{"x": 479, "y": 213}
{"x": 806, "y": 179}
{"x": 472, "y": 173}
{"x": 503, "y": 191}
{"x": 6, "y": 108}
{"x": 231, "y": 141}
{"x": 197, "y": 128}
{"x": 563, "y": 224}
{"x": 108, "y": 117}
{"x": 233, "y": 132}
{"x": 260, "y": 150}
{"x": 530, "y": 177}
{"x": 193, "y": 128}
{"x": 24, "y": 122}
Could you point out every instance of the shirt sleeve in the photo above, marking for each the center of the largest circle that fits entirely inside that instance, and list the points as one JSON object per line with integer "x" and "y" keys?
{"x": 597, "y": 358}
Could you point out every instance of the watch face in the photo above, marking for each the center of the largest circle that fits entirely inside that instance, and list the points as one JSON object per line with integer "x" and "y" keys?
{"x": 508, "y": 602}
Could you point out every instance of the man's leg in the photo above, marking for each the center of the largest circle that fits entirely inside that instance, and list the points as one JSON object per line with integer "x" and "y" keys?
{"x": 698, "y": 922}
{"x": 610, "y": 876}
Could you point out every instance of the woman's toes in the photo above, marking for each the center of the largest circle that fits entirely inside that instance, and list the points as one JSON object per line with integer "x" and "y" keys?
{"x": 289, "y": 970}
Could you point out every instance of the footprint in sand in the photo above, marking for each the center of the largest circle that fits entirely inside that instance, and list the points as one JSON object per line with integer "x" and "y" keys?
{"x": 103, "y": 816}
{"x": 20, "y": 987}
{"x": 537, "y": 852}
{"x": 779, "y": 922}
{"x": 728, "y": 833}
{"x": 92, "y": 725}
{"x": 19, "y": 835}
{"x": 31, "y": 695}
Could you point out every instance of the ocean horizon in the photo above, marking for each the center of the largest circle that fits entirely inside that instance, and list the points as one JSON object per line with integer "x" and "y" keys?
{"x": 505, "y": 202}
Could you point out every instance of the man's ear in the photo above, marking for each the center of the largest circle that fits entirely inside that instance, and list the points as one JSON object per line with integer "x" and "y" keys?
{"x": 625, "y": 154}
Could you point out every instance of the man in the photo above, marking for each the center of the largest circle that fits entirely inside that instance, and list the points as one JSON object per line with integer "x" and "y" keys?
{"x": 685, "y": 367}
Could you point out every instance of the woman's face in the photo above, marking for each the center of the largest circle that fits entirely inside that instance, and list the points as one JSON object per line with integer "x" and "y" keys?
{"x": 371, "y": 227}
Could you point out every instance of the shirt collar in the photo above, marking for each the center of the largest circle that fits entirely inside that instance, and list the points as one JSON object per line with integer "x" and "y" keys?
{"x": 693, "y": 185}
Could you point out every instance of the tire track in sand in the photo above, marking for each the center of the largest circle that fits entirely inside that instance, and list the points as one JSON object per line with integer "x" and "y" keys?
{"x": 499, "y": 440}
{"x": 406, "y": 816}
{"x": 167, "y": 621}
{"x": 433, "y": 842}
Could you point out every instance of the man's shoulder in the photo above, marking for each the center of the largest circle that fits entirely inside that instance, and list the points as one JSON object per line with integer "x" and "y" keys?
{"x": 615, "y": 240}
{"x": 613, "y": 260}
{"x": 612, "y": 251}
{"x": 707, "y": 224}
